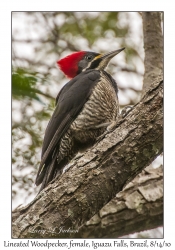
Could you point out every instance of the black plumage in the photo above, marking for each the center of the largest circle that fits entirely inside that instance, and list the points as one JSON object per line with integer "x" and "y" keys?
{"x": 85, "y": 102}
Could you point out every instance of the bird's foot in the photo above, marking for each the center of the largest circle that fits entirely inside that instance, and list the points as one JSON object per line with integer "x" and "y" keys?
{"x": 110, "y": 126}
{"x": 126, "y": 110}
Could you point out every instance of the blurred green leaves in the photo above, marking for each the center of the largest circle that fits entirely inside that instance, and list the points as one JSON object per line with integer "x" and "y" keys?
{"x": 27, "y": 131}
{"x": 24, "y": 85}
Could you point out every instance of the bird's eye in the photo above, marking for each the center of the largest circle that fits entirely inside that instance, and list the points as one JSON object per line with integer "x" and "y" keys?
{"x": 89, "y": 57}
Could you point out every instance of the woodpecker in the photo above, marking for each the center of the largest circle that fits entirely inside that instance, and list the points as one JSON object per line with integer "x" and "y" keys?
{"x": 85, "y": 106}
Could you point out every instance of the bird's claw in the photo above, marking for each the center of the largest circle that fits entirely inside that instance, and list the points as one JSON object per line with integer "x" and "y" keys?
{"x": 126, "y": 110}
{"x": 112, "y": 126}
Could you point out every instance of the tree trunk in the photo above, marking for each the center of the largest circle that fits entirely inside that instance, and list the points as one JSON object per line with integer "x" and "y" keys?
{"x": 94, "y": 179}
{"x": 153, "y": 45}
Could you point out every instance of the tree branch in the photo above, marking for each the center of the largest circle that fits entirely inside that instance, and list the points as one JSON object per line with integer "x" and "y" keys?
{"x": 138, "y": 207}
{"x": 94, "y": 179}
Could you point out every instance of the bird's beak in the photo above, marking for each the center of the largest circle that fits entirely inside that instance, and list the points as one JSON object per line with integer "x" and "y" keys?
{"x": 105, "y": 58}
{"x": 111, "y": 54}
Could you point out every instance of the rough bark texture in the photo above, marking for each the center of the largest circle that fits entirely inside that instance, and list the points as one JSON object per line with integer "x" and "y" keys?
{"x": 153, "y": 45}
{"x": 138, "y": 207}
{"x": 95, "y": 178}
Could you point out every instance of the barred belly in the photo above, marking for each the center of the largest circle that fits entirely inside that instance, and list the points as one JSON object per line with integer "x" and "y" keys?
{"x": 102, "y": 107}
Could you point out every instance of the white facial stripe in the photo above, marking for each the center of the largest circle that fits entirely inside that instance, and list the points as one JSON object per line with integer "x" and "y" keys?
{"x": 102, "y": 65}
{"x": 88, "y": 65}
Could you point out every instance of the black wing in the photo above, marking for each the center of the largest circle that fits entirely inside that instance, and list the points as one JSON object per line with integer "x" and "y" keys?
{"x": 69, "y": 103}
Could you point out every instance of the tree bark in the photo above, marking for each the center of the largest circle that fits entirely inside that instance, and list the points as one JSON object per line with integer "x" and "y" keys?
{"x": 138, "y": 207}
{"x": 95, "y": 178}
{"x": 153, "y": 45}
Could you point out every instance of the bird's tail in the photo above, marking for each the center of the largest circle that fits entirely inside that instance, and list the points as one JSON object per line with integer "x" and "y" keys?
{"x": 49, "y": 172}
